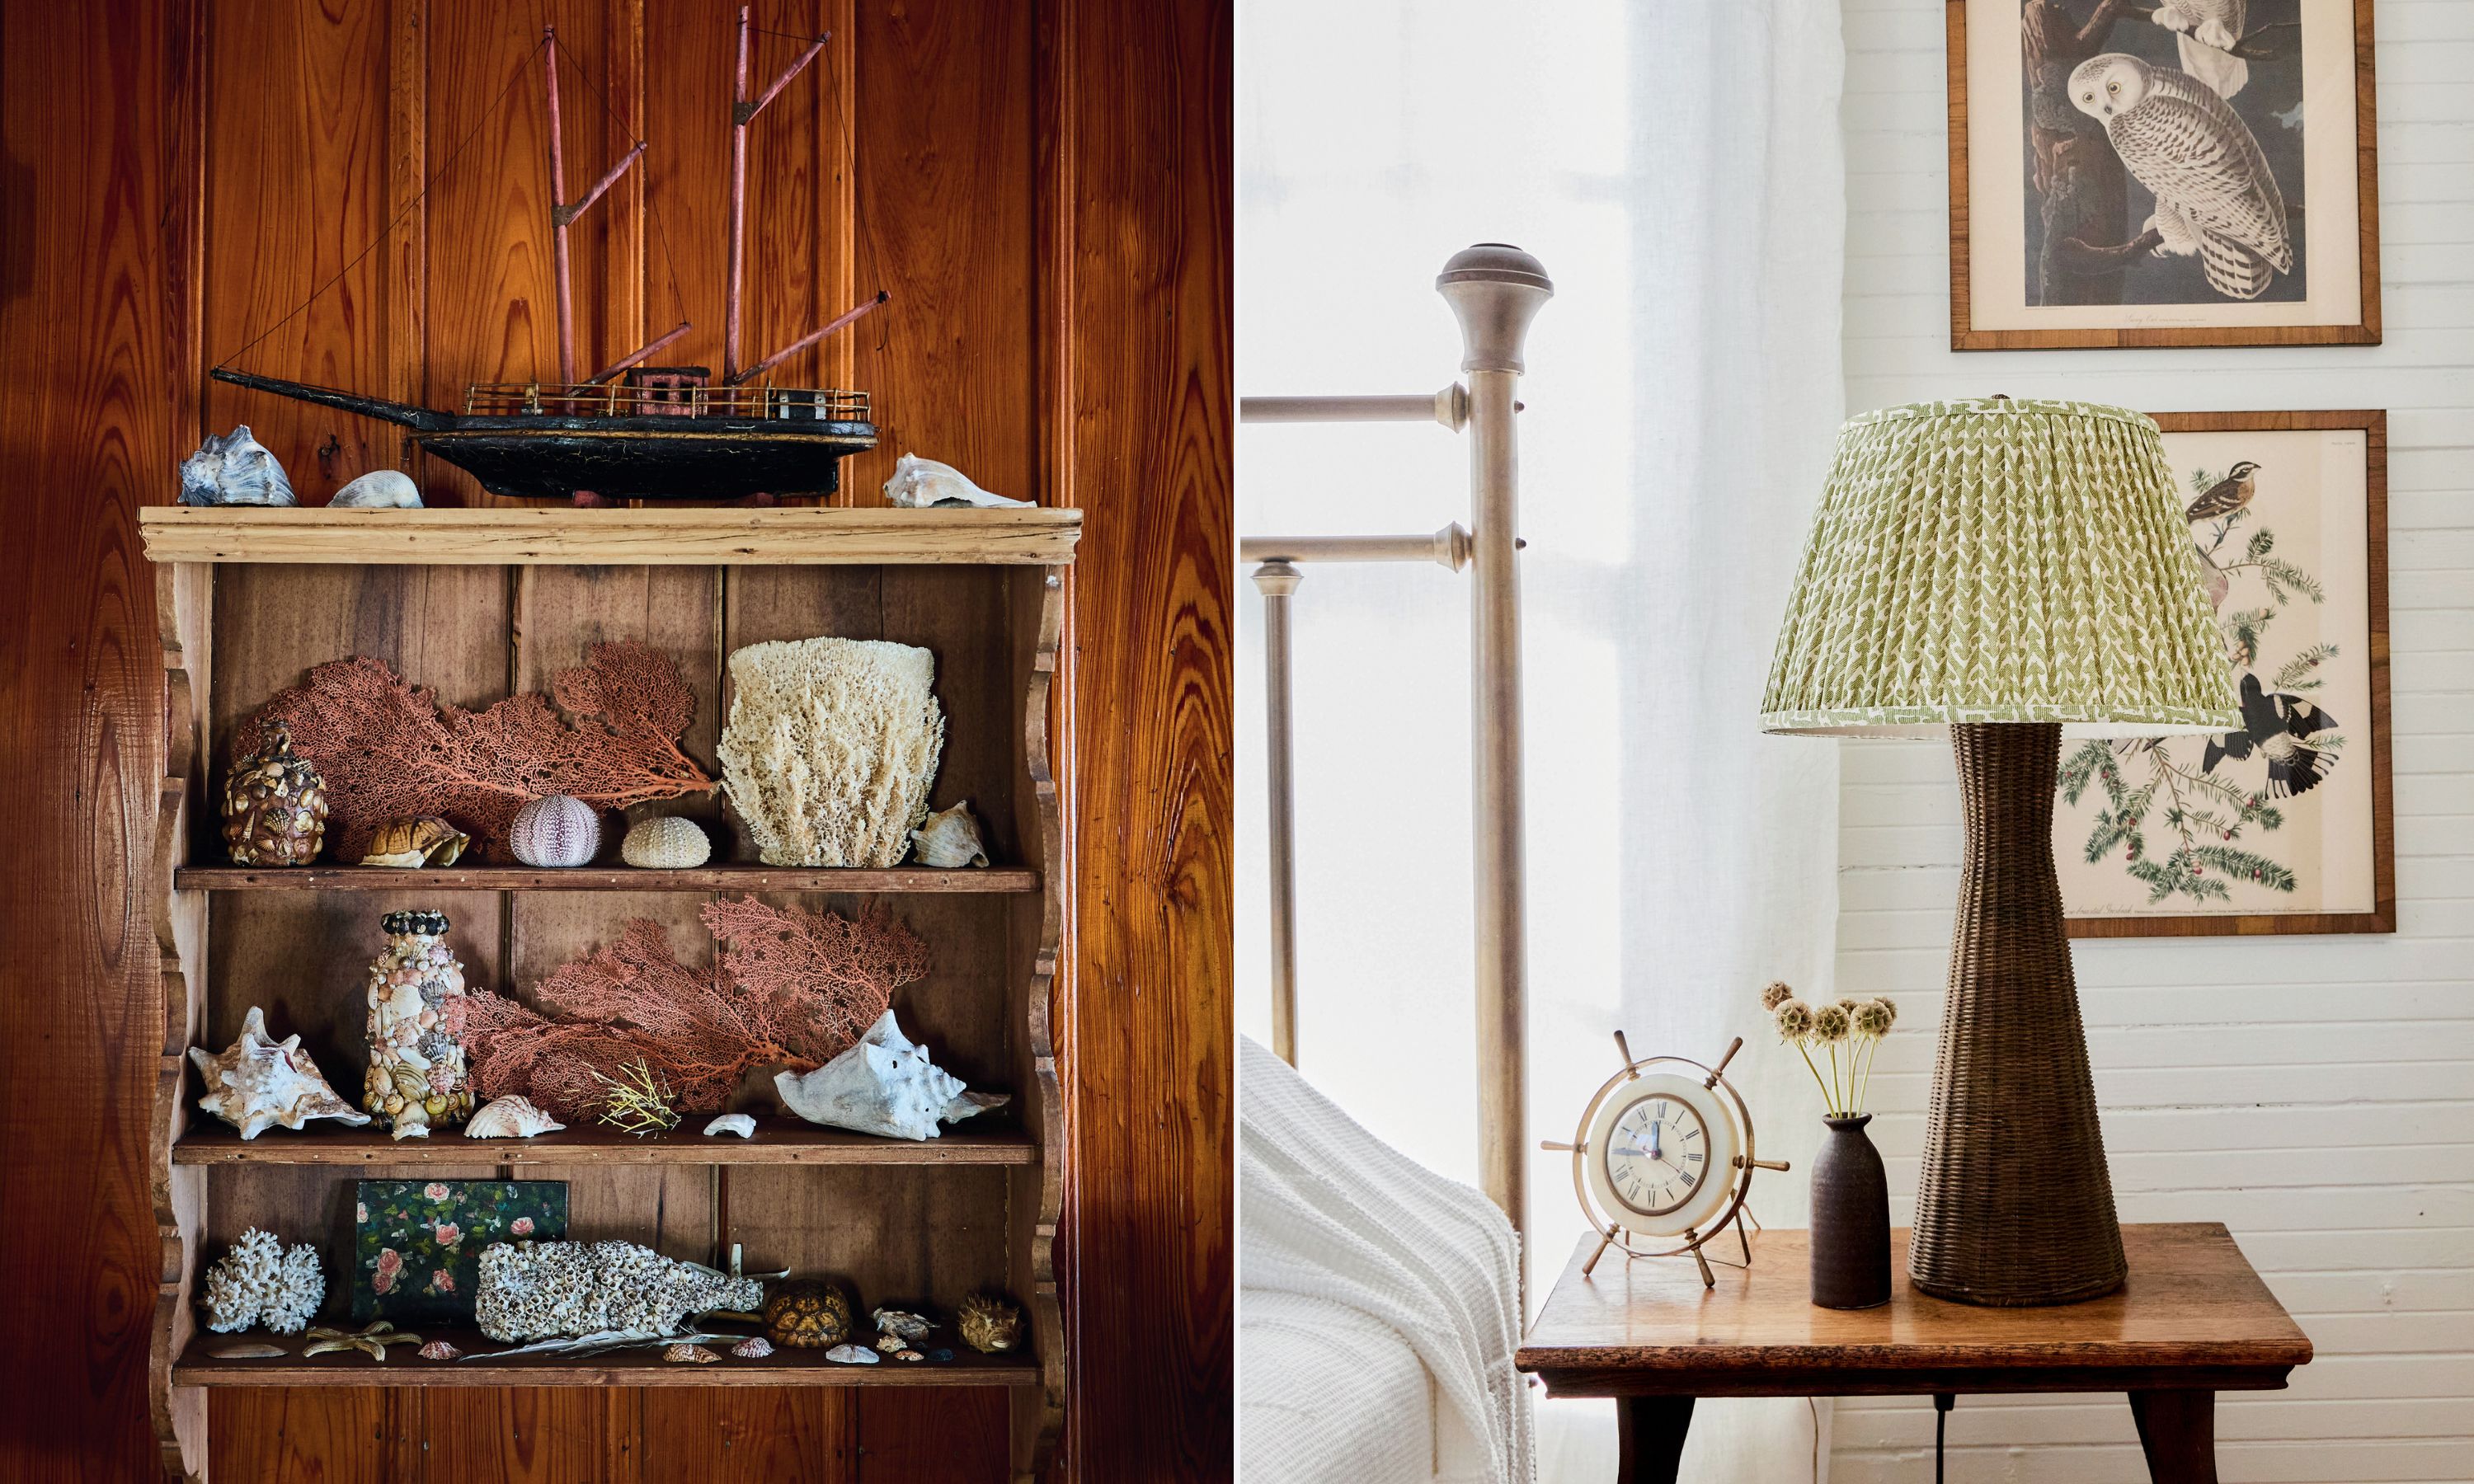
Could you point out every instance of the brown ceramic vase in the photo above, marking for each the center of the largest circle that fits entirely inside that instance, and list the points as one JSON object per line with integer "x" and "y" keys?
{"x": 1850, "y": 1219}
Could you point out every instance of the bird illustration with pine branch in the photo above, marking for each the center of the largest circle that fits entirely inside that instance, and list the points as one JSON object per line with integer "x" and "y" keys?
{"x": 2278, "y": 726}
{"x": 2226, "y": 495}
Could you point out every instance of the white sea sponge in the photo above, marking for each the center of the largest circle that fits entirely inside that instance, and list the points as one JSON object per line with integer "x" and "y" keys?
{"x": 259, "y": 1280}
{"x": 830, "y": 748}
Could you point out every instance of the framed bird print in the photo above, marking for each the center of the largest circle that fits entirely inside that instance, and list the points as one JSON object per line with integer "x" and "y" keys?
{"x": 2283, "y": 827}
{"x": 2130, "y": 173}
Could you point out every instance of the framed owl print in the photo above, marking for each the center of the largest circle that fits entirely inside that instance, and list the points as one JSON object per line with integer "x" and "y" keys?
{"x": 2130, "y": 173}
{"x": 2283, "y": 827}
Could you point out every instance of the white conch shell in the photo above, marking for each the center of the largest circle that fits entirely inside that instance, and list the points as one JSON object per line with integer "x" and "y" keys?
{"x": 512, "y": 1116}
{"x": 948, "y": 838}
{"x": 739, "y": 1124}
{"x": 380, "y": 488}
{"x": 256, "y": 1083}
{"x": 883, "y": 1085}
{"x": 918, "y": 483}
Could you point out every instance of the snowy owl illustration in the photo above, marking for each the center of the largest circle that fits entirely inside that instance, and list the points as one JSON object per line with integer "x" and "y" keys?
{"x": 2215, "y": 195}
{"x": 2206, "y": 30}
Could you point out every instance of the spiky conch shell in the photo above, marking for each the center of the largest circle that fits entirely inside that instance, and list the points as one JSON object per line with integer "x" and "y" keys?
{"x": 257, "y": 1083}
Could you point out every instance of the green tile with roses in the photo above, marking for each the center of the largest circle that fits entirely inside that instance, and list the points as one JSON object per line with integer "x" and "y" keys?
{"x": 417, "y": 1244}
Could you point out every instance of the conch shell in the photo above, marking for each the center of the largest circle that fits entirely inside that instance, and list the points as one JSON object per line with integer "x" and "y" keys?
{"x": 919, "y": 483}
{"x": 416, "y": 842}
{"x": 512, "y": 1116}
{"x": 948, "y": 838}
{"x": 883, "y": 1085}
{"x": 257, "y": 1083}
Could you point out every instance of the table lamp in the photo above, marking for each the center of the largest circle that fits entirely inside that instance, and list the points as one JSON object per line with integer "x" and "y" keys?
{"x": 2002, "y": 570}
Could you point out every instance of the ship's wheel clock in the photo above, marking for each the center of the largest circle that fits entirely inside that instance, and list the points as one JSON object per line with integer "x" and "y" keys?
{"x": 1664, "y": 1158}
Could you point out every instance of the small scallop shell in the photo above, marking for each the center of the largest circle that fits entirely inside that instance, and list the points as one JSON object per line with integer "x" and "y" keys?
{"x": 949, "y": 838}
{"x": 668, "y": 843}
{"x": 416, "y": 842}
{"x": 439, "y": 1349}
{"x": 510, "y": 1118}
{"x": 754, "y": 1348}
{"x": 690, "y": 1355}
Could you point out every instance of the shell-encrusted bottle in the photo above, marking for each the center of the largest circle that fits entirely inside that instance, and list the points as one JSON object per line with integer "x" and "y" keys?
{"x": 275, "y": 804}
{"x": 416, "y": 1079}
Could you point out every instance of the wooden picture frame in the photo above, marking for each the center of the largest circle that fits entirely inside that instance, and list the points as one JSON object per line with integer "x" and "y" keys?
{"x": 2378, "y": 913}
{"x": 2008, "y": 293}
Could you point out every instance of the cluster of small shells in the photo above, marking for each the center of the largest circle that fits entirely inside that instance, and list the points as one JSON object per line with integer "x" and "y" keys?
{"x": 898, "y": 1333}
{"x": 275, "y": 805}
{"x": 258, "y": 1282}
{"x": 551, "y": 1290}
{"x": 417, "y": 1076}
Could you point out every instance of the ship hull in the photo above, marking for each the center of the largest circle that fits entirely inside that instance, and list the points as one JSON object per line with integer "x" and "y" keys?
{"x": 648, "y": 458}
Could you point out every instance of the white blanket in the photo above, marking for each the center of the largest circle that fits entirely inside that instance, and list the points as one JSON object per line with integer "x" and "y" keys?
{"x": 1329, "y": 1212}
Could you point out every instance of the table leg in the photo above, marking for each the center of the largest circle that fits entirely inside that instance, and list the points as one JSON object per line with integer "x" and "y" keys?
{"x": 2177, "y": 1431}
{"x": 1650, "y": 1431}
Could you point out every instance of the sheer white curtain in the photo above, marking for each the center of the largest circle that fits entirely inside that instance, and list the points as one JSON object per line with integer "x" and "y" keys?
{"x": 1677, "y": 167}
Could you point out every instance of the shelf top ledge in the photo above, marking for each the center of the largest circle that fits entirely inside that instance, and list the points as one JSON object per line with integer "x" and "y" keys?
{"x": 625, "y": 536}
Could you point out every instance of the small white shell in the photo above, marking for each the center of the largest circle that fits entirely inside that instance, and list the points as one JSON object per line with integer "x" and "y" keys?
{"x": 380, "y": 488}
{"x": 739, "y": 1124}
{"x": 852, "y": 1354}
{"x": 949, "y": 838}
{"x": 918, "y": 483}
{"x": 512, "y": 1116}
{"x": 668, "y": 843}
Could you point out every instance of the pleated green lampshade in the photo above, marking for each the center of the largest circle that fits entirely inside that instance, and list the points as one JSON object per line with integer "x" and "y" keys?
{"x": 1999, "y": 560}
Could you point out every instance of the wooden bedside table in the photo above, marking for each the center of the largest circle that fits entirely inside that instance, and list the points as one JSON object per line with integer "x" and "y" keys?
{"x": 2193, "y": 1320}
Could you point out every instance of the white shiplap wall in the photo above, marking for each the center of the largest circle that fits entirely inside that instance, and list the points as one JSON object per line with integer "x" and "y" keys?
{"x": 2316, "y": 1094}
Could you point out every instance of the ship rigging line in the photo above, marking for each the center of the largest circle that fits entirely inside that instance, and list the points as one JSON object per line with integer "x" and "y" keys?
{"x": 396, "y": 220}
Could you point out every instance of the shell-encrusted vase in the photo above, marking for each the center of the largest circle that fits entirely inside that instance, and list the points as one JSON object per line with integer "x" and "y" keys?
{"x": 416, "y": 1079}
{"x": 275, "y": 804}
{"x": 668, "y": 843}
{"x": 555, "y": 832}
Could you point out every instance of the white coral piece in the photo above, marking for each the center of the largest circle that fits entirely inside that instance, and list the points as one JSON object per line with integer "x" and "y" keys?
{"x": 830, "y": 748}
{"x": 258, "y": 1282}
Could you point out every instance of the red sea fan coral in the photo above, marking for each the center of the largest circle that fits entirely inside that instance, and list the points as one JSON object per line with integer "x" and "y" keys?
{"x": 387, "y": 749}
{"x": 792, "y": 989}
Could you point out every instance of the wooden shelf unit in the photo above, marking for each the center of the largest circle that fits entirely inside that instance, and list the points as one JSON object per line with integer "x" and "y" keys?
{"x": 478, "y": 603}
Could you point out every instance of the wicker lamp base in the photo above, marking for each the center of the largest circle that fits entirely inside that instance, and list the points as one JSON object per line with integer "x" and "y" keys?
{"x": 2013, "y": 1203}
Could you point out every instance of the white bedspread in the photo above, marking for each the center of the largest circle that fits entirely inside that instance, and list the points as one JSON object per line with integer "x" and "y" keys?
{"x": 1341, "y": 1239}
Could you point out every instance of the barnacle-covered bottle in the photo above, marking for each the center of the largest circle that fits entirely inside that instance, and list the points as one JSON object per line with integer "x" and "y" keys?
{"x": 416, "y": 1079}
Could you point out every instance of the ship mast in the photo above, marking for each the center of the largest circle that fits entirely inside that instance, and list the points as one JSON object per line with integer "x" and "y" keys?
{"x": 563, "y": 215}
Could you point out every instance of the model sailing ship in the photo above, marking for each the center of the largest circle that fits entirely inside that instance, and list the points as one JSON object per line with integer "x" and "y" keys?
{"x": 632, "y": 430}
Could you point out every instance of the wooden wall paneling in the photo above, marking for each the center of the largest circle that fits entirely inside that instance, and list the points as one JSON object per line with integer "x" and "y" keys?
{"x": 1139, "y": 174}
{"x": 945, "y": 200}
{"x": 315, "y": 1435}
{"x": 749, "y": 1435}
{"x": 950, "y": 1435}
{"x": 300, "y": 182}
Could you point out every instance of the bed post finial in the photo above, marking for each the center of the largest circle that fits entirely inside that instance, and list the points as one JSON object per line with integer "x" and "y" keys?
{"x": 1497, "y": 290}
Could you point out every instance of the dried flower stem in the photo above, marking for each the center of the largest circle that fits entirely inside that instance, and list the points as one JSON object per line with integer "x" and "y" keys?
{"x": 638, "y": 1101}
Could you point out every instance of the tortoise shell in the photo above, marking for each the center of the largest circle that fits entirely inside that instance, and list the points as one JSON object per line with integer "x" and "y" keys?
{"x": 416, "y": 842}
{"x": 808, "y": 1314}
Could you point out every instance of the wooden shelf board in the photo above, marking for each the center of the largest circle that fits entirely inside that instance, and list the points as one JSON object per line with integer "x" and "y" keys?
{"x": 602, "y": 878}
{"x": 645, "y": 1367}
{"x": 778, "y": 1140}
{"x": 658, "y": 537}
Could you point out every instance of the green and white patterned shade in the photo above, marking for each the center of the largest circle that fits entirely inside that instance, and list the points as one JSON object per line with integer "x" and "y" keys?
{"x": 1999, "y": 560}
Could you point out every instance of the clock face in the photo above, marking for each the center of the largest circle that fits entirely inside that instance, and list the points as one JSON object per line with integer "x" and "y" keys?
{"x": 1660, "y": 1154}
{"x": 1657, "y": 1154}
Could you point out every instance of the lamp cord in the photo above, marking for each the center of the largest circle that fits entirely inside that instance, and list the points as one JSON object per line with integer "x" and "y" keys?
{"x": 1943, "y": 1402}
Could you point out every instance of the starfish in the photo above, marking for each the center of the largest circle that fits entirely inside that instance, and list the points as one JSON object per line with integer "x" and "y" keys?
{"x": 372, "y": 1341}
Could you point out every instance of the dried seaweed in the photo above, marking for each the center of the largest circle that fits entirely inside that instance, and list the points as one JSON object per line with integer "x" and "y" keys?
{"x": 791, "y": 989}
{"x": 387, "y": 749}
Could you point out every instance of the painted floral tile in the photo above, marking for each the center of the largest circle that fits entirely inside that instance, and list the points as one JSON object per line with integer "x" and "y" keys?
{"x": 417, "y": 1244}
